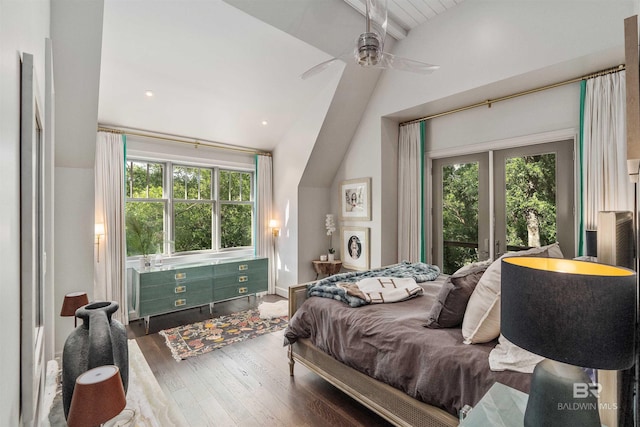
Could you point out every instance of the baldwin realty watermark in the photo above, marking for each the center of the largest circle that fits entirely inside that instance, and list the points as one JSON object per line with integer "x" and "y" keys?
{"x": 585, "y": 391}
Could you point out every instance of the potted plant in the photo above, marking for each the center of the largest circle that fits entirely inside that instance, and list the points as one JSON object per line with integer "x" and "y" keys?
{"x": 330, "y": 225}
{"x": 141, "y": 239}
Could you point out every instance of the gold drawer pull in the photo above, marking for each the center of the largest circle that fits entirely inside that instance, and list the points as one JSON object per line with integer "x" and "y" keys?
{"x": 242, "y": 279}
{"x": 180, "y": 302}
{"x": 180, "y": 289}
{"x": 243, "y": 267}
{"x": 180, "y": 276}
{"x": 243, "y": 290}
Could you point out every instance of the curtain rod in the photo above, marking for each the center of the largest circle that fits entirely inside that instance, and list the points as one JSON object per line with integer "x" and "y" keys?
{"x": 182, "y": 140}
{"x": 489, "y": 102}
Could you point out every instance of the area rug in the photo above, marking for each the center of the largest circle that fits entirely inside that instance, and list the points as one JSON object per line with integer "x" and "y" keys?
{"x": 147, "y": 405}
{"x": 203, "y": 337}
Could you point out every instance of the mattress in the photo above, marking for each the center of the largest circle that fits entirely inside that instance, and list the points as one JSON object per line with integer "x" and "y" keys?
{"x": 389, "y": 343}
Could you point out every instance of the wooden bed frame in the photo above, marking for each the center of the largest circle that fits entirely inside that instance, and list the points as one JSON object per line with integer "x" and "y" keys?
{"x": 390, "y": 403}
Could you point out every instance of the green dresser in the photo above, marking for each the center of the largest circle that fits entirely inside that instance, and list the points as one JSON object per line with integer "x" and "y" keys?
{"x": 171, "y": 288}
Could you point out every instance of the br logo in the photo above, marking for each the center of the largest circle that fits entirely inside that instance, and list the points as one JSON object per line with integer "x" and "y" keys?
{"x": 583, "y": 390}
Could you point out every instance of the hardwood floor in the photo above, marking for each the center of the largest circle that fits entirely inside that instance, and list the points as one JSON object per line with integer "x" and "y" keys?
{"x": 247, "y": 383}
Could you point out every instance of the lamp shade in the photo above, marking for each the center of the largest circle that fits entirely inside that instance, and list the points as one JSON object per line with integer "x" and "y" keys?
{"x": 98, "y": 396}
{"x": 575, "y": 312}
{"x": 72, "y": 302}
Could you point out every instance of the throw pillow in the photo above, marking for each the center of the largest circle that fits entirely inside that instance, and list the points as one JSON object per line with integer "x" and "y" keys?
{"x": 448, "y": 309}
{"x": 481, "y": 321}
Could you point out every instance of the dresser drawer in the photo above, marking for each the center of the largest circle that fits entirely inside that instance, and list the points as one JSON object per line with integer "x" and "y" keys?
{"x": 239, "y": 290}
{"x": 240, "y": 278}
{"x": 240, "y": 267}
{"x": 167, "y": 290}
{"x": 175, "y": 275}
{"x": 175, "y": 302}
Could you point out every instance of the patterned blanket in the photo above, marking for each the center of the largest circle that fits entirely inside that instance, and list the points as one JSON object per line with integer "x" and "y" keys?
{"x": 328, "y": 287}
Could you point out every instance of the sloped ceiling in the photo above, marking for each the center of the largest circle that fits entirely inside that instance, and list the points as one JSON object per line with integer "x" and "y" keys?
{"x": 219, "y": 69}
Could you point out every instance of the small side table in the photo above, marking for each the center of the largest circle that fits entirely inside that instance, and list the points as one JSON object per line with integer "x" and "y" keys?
{"x": 501, "y": 406}
{"x": 327, "y": 267}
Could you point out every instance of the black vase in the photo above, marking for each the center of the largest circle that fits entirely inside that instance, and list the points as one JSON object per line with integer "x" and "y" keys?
{"x": 99, "y": 340}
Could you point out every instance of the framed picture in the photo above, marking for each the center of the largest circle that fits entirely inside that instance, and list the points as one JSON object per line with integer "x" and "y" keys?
{"x": 355, "y": 196}
{"x": 355, "y": 248}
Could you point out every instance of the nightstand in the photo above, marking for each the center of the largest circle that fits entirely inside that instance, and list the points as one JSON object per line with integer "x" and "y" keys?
{"x": 501, "y": 406}
{"x": 327, "y": 267}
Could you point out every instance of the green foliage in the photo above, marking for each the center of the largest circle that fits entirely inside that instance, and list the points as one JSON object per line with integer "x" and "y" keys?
{"x": 193, "y": 226}
{"x": 235, "y": 225}
{"x": 144, "y": 223}
{"x": 459, "y": 213}
{"x": 531, "y": 200}
{"x": 194, "y": 221}
{"x": 530, "y": 207}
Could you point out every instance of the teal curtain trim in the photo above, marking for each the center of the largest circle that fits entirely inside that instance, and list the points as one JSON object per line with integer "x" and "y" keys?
{"x": 124, "y": 144}
{"x": 255, "y": 223}
{"x": 422, "y": 234}
{"x": 581, "y": 228}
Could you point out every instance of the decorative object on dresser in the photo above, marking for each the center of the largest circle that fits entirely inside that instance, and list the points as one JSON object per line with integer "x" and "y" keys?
{"x": 203, "y": 337}
{"x": 355, "y": 196}
{"x": 178, "y": 287}
{"x": 562, "y": 310}
{"x": 72, "y": 302}
{"x": 327, "y": 268}
{"x": 355, "y": 248}
{"x": 100, "y": 340}
{"x": 98, "y": 397}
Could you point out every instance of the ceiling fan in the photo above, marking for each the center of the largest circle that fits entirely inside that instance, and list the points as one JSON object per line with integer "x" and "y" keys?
{"x": 369, "y": 50}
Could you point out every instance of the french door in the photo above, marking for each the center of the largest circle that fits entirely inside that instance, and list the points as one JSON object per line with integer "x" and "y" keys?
{"x": 486, "y": 204}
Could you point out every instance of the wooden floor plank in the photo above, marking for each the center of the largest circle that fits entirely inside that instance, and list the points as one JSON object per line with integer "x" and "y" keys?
{"x": 247, "y": 383}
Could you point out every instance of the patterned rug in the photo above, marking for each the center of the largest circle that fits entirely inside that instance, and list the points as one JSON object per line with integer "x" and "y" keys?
{"x": 203, "y": 337}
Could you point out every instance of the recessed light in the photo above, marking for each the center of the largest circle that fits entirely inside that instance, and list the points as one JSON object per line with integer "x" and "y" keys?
{"x": 264, "y": 123}
{"x": 149, "y": 93}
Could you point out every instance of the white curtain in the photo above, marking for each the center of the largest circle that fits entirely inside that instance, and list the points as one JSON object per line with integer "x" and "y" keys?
{"x": 109, "y": 264}
{"x": 409, "y": 193}
{"x": 265, "y": 242}
{"x": 607, "y": 186}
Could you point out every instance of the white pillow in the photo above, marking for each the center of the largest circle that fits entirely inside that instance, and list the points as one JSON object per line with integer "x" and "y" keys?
{"x": 481, "y": 321}
{"x": 507, "y": 355}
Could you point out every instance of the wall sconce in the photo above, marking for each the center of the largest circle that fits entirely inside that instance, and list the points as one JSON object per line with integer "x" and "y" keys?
{"x": 274, "y": 225}
{"x": 99, "y": 232}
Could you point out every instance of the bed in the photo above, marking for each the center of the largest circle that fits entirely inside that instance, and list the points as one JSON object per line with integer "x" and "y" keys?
{"x": 356, "y": 351}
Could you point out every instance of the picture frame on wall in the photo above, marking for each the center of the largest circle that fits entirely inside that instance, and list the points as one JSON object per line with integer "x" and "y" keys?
{"x": 355, "y": 247}
{"x": 355, "y": 196}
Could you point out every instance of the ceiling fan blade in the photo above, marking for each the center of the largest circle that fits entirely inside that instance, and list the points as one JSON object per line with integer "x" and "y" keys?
{"x": 376, "y": 11}
{"x": 388, "y": 60}
{"x": 317, "y": 68}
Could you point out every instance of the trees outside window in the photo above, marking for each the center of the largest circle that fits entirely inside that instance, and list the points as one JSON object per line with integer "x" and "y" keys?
{"x": 193, "y": 209}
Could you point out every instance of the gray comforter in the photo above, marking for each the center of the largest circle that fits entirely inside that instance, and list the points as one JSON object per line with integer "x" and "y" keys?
{"x": 389, "y": 342}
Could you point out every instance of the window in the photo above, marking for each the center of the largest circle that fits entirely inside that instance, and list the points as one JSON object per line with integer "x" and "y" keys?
{"x": 192, "y": 209}
{"x": 236, "y": 209}
{"x": 532, "y": 195}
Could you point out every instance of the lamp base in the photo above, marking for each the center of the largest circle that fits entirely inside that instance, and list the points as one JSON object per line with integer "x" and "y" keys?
{"x": 561, "y": 396}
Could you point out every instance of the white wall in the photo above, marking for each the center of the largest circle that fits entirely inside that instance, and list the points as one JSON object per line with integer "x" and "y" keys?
{"x": 479, "y": 43}
{"x": 74, "y": 241}
{"x": 23, "y": 28}
{"x": 289, "y": 160}
{"x": 76, "y": 32}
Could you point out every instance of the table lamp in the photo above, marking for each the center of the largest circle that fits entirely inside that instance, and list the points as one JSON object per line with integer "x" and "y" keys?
{"x": 98, "y": 396}
{"x": 577, "y": 315}
{"x": 72, "y": 302}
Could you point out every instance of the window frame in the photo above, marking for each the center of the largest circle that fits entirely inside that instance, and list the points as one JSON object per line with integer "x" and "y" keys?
{"x": 168, "y": 246}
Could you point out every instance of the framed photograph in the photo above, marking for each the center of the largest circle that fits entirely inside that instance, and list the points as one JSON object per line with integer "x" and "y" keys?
{"x": 355, "y": 248}
{"x": 355, "y": 196}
